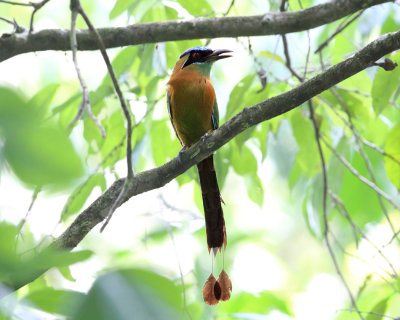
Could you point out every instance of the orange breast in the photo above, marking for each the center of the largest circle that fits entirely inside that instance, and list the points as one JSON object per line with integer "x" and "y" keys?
{"x": 192, "y": 99}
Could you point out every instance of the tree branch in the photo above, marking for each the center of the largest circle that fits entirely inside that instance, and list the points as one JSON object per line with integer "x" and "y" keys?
{"x": 268, "y": 24}
{"x": 265, "y": 110}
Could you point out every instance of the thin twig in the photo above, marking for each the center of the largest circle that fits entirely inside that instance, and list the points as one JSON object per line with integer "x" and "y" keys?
{"x": 323, "y": 165}
{"x": 362, "y": 153}
{"x": 392, "y": 238}
{"x": 354, "y": 256}
{"x": 370, "y": 184}
{"x": 324, "y": 172}
{"x": 116, "y": 204}
{"x": 16, "y": 3}
{"x": 342, "y": 209}
{"x": 36, "y": 7}
{"x": 338, "y": 30}
{"x": 335, "y": 263}
{"x": 173, "y": 208}
{"x": 376, "y": 148}
{"x": 168, "y": 227}
{"x": 85, "y": 104}
{"x": 356, "y": 91}
{"x": 345, "y": 214}
{"x": 115, "y": 83}
{"x": 34, "y": 197}
{"x": 364, "y": 141}
{"x": 8, "y": 21}
{"x": 377, "y": 314}
{"x": 261, "y": 73}
{"x": 288, "y": 61}
{"x": 76, "y": 5}
{"x": 229, "y": 8}
{"x": 309, "y": 45}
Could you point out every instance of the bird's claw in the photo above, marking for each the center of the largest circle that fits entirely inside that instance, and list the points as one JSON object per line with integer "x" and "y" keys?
{"x": 204, "y": 137}
{"x": 180, "y": 153}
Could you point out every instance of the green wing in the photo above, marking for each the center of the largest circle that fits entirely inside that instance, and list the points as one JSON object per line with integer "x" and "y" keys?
{"x": 215, "y": 115}
{"x": 171, "y": 116}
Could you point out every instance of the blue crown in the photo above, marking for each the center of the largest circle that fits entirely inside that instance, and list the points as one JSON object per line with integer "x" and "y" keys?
{"x": 199, "y": 48}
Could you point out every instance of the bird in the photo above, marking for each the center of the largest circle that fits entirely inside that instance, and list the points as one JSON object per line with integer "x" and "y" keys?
{"x": 193, "y": 111}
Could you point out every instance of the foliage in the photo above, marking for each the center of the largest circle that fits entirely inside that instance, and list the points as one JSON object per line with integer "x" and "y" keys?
{"x": 359, "y": 126}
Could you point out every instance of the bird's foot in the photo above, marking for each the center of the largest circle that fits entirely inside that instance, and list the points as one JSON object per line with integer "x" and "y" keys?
{"x": 204, "y": 137}
{"x": 180, "y": 153}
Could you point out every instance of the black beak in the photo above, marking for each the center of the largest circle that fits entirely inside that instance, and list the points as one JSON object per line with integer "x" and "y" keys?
{"x": 218, "y": 54}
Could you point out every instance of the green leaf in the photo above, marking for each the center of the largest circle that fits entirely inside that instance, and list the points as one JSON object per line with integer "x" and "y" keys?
{"x": 260, "y": 304}
{"x": 163, "y": 146}
{"x": 303, "y": 131}
{"x": 111, "y": 147}
{"x": 378, "y": 311}
{"x": 243, "y": 161}
{"x": 359, "y": 199}
{"x": 38, "y": 152}
{"x": 255, "y": 189}
{"x": 50, "y": 258}
{"x": 66, "y": 111}
{"x": 43, "y": 98}
{"x": 121, "y": 6}
{"x": 390, "y": 24}
{"x": 42, "y": 156}
{"x": 384, "y": 86}
{"x": 15, "y": 271}
{"x": 141, "y": 8}
{"x": 272, "y": 56}
{"x": 222, "y": 161}
{"x": 151, "y": 88}
{"x": 261, "y": 134}
{"x": 123, "y": 294}
{"x": 392, "y": 161}
{"x": 66, "y": 273}
{"x": 196, "y": 8}
{"x": 54, "y": 301}
{"x": 238, "y": 94}
{"x": 78, "y": 197}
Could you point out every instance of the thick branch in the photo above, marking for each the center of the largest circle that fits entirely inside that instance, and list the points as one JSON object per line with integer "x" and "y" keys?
{"x": 268, "y": 24}
{"x": 158, "y": 177}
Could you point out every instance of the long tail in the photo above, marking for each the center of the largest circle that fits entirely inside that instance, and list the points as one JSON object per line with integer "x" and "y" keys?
{"x": 215, "y": 223}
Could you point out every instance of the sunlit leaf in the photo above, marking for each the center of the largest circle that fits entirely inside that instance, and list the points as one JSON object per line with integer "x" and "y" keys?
{"x": 42, "y": 156}
{"x": 384, "y": 85}
{"x": 272, "y": 56}
{"x": 54, "y": 301}
{"x": 163, "y": 146}
{"x": 121, "y": 6}
{"x": 238, "y": 95}
{"x": 243, "y": 161}
{"x": 378, "y": 311}
{"x": 121, "y": 294}
{"x": 303, "y": 131}
{"x": 43, "y": 98}
{"x": 255, "y": 189}
{"x": 78, "y": 197}
{"x": 196, "y": 8}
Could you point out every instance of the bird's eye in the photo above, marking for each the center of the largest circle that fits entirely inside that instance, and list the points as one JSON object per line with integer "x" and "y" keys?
{"x": 196, "y": 55}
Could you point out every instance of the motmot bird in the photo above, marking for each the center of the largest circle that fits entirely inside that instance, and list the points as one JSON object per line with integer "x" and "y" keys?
{"x": 193, "y": 111}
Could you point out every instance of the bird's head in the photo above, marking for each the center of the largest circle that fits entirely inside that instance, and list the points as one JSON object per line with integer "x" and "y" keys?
{"x": 203, "y": 55}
